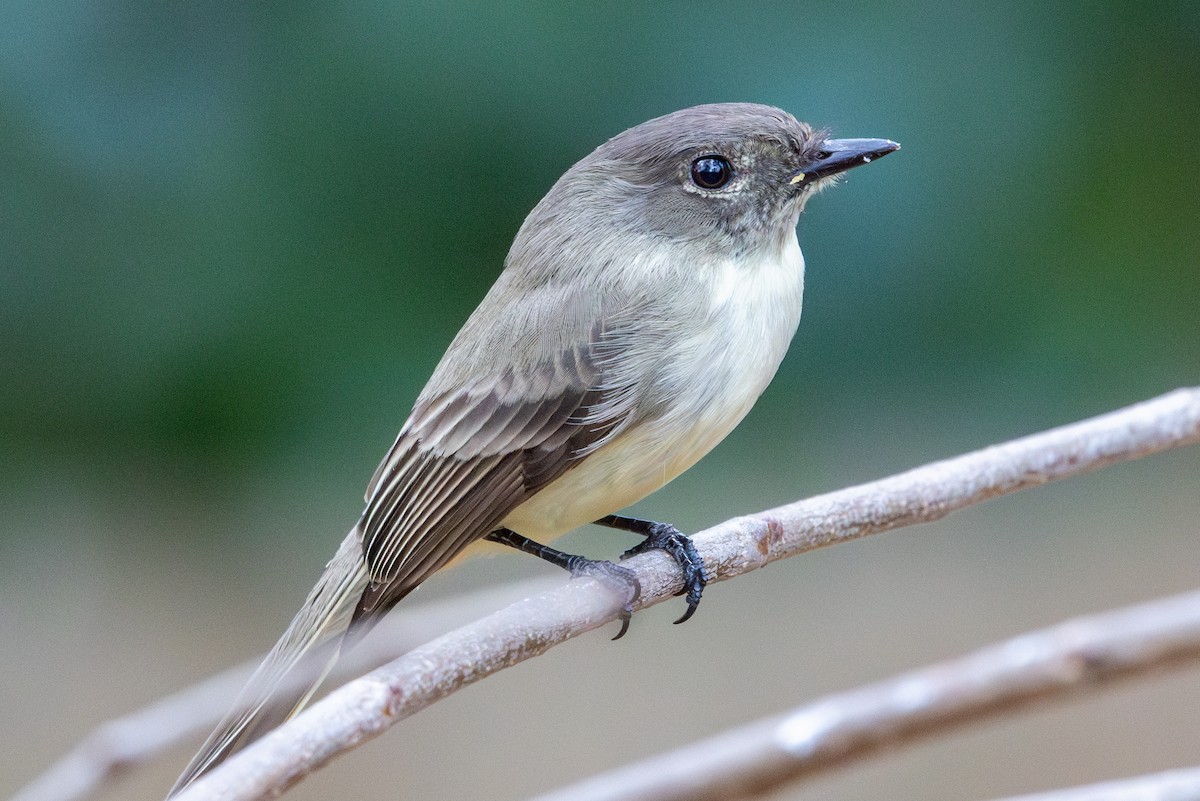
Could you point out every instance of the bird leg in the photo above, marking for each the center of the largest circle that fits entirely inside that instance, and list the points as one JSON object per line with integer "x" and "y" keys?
{"x": 621, "y": 579}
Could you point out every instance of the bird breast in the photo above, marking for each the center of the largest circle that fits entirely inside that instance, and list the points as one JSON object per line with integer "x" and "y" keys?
{"x": 714, "y": 373}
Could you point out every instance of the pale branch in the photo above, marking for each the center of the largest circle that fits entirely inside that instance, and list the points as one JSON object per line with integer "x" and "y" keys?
{"x": 1080, "y": 654}
{"x": 366, "y": 707}
{"x": 1171, "y": 785}
{"x": 187, "y": 715}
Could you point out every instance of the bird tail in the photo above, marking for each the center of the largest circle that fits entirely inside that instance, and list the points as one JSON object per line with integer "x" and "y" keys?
{"x": 291, "y": 672}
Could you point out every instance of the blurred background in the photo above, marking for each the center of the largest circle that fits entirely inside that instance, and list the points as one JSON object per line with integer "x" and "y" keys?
{"x": 237, "y": 237}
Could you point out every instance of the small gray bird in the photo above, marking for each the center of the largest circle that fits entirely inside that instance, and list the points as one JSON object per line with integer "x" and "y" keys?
{"x": 645, "y": 304}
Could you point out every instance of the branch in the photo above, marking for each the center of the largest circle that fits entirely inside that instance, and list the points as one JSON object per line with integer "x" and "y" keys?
{"x": 365, "y": 708}
{"x": 1171, "y": 785}
{"x": 1080, "y": 654}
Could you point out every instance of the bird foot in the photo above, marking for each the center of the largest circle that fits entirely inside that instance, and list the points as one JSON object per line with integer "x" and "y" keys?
{"x": 621, "y": 580}
{"x": 665, "y": 537}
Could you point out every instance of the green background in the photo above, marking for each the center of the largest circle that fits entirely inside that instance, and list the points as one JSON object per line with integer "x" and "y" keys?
{"x": 235, "y": 238}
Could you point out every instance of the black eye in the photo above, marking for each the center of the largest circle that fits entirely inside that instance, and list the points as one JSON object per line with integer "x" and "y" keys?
{"x": 711, "y": 172}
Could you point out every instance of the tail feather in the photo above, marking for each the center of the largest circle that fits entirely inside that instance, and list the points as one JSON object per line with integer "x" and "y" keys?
{"x": 294, "y": 668}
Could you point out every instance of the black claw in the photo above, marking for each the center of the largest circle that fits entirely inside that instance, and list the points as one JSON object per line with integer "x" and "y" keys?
{"x": 690, "y": 611}
{"x": 614, "y": 576}
{"x": 626, "y": 614}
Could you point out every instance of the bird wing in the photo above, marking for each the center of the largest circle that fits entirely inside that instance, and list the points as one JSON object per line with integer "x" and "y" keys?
{"x": 470, "y": 455}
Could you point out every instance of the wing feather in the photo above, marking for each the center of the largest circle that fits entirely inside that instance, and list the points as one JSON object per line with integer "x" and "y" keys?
{"x": 463, "y": 463}
{"x": 489, "y": 432}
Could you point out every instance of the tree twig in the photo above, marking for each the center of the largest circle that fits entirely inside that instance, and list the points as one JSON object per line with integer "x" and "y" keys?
{"x": 1171, "y": 785}
{"x": 1079, "y": 654}
{"x": 368, "y": 706}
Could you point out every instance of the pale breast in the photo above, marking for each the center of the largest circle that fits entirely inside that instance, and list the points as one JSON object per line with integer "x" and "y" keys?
{"x": 714, "y": 377}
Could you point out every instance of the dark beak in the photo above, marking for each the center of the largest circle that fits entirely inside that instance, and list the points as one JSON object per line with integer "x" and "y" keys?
{"x": 839, "y": 155}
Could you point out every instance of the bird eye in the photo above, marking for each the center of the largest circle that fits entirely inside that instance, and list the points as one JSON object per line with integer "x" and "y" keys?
{"x": 711, "y": 172}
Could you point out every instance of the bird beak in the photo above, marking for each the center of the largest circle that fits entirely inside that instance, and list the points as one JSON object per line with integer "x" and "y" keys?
{"x": 839, "y": 155}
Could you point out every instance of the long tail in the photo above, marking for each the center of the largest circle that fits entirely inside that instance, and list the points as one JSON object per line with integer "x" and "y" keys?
{"x": 300, "y": 660}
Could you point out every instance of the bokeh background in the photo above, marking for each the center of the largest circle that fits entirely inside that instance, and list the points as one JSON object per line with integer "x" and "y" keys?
{"x": 235, "y": 238}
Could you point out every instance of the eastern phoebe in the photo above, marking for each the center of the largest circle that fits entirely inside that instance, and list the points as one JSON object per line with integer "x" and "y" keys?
{"x": 645, "y": 304}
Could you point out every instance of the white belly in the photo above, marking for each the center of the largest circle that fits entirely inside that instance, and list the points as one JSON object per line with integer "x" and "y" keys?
{"x": 717, "y": 375}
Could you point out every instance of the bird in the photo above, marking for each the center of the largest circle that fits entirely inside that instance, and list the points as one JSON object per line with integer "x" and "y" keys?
{"x": 645, "y": 304}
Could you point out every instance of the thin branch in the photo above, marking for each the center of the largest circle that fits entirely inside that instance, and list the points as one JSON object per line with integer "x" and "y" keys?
{"x": 1171, "y": 785}
{"x": 1080, "y": 654}
{"x": 365, "y": 708}
{"x": 117, "y": 745}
